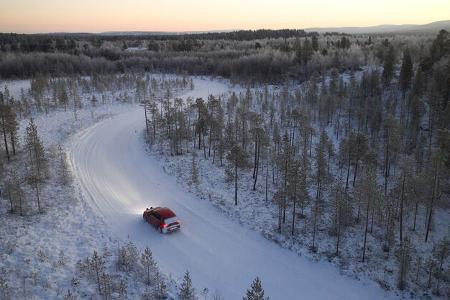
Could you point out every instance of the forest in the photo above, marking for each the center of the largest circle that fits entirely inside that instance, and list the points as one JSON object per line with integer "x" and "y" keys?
{"x": 248, "y": 56}
{"x": 337, "y": 147}
{"x": 362, "y": 156}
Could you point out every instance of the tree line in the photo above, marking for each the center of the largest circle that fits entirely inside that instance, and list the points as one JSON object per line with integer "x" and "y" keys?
{"x": 262, "y": 56}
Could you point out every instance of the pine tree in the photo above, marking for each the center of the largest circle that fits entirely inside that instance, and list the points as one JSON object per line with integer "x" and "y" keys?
{"x": 392, "y": 135}
{"x": 15, "y": 193}
{"x": 435, "y": 192}
{"x": 342, "y": 213}
{"x": 321, "y": 178}
{"x": 238, "y": 159}
{"x": 284, "y": 162}
{"x": 258, "y": 135}
{"x": 37, "y": 166}
{"x": 440, "y": 47}
{"x": 279, "y": 198}
{"x": 5, "y": 111}
{"x": 187, "y": 291}
{"x": 200, "y": 124}
{"x": 195, "y": 179}
{"x": 369, "y": 192}
{"x": 292, "y": 189}
{"x": 94, "y": 101}
{"x": 62, "y": 96}
{"x": 404, "y": 263}
{"x": 256, "y": 291}
{"x": 9, "y": 126}
{"x": 160, "y": 288}
{"x": 315, "y": 42}
{"x": 149, "y": 264}
{"x": 441, "y": 252}
{"x": 389, "y": 65}
{"x": 97, "y": 267}
{"x": 406, "y": 71}
{"x": 405, "y": 188}
{"x": 63, "y": 168}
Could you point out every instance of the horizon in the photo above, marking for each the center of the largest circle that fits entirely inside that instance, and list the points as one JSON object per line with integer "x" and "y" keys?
{"x": 82, "y": 16}
{"x": 223, "y": 30}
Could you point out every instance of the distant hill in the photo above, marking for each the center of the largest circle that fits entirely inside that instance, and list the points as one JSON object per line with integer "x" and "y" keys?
{"x": 434, "y": 26}
{"x": 234, "y": 33}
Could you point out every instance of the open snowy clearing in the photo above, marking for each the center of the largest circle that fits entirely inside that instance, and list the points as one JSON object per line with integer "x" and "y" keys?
{"x": 119, "y": 180}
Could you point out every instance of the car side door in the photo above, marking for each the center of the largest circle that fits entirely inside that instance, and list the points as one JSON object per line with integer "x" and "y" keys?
{"x": 155, "y": 218}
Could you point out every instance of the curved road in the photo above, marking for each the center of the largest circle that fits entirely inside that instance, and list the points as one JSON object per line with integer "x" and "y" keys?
{"x": 119, "y": 180}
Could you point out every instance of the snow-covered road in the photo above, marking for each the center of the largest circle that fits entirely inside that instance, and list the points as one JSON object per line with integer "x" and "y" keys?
{"x": 119, "y": 180}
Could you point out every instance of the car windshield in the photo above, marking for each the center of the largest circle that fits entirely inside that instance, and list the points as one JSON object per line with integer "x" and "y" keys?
{"x": 170, "y": 220}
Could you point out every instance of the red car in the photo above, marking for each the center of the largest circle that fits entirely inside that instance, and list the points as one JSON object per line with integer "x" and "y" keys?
{"x": 162, "y": 218}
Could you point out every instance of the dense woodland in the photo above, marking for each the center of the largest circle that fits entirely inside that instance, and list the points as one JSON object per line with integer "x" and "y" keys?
{"x": 366, "y": 151}
{"x": 346, "y": 136}
{"x": 250, "y": 56}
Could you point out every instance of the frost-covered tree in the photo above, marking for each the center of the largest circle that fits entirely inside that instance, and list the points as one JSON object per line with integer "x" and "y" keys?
{"x": 187, "y": 291}
{"x": 238, "y": 159}
{"x": 389, "y": 65}
{"x": 404, "y": 263}
{"x": 392, "y": 145}
{"x": 37, "y": 163}
{"x": 441, "y": 253}
{"x": 195, "y": 179}
{"x": 256, "y": 291}
{"x": 406, "y": 71}
{"x": 94, "y": 101}
{"x": 321, "y": 177}
{"x": 5, "y": 290}
{"x": 149, "y": 264}
{"x": 342, "y": 213}
{"x": 9, "y": 128}
{"x": 127, "y": 257}
{"x": 160, "y": 291}
{"x": 97, "y": 269}
{"x": 63, "y": 168}
{"x": 15, "y": 193}
{"x": 369, "y": 191}
{"x": 284, "y": 162}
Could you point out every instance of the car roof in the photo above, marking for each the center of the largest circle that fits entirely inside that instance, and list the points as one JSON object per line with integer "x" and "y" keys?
{"x": 165, "y": 212}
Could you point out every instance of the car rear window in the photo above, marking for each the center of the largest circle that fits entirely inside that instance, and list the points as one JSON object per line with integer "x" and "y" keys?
{"x": 170, "y": 220}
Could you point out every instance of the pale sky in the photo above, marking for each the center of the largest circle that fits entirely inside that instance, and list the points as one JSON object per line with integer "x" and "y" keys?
{"x": 31, "y": 16}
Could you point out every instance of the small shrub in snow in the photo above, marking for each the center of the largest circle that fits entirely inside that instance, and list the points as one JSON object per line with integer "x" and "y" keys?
{"x": 62, "y": 259}
{"x": 70, "y": 295}
{"x": 4, "y": 287}
{"x": 42, "y": 257}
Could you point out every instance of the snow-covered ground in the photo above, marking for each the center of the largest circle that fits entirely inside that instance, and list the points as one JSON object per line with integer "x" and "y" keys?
{"x": 119, "y": 180}
{"x": 39, "y": 252}
{"x": 116, "y": 179}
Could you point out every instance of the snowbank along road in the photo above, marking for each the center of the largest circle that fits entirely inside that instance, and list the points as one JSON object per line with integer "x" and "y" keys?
{"x": 119, "y": 180}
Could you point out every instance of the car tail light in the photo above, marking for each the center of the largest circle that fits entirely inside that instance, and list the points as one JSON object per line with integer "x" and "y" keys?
{"x": 164, "y": 225}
